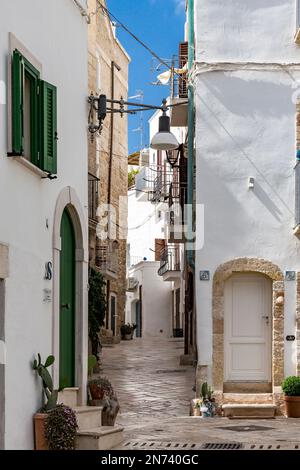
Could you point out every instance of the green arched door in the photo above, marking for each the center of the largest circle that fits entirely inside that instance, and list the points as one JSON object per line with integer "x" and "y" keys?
{"x": 67, "y": 303}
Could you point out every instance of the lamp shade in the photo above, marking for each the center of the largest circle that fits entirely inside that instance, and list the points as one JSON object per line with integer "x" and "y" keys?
{"x": 164, "y": 139}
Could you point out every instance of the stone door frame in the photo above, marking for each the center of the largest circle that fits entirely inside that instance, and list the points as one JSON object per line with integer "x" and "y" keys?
{"x": 223, "y": 272}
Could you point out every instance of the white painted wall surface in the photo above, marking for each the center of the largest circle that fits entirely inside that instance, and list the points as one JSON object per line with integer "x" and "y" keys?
{"x": 245, "y": 127}
{"x": 56, "y": 34}
{"x": 247, "y": 30}
{"x": 156, "y": 300}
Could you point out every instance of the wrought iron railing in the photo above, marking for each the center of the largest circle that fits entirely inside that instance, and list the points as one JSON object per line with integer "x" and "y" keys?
{"x": 93, "y": 190}
{"x": 169, "y": 259}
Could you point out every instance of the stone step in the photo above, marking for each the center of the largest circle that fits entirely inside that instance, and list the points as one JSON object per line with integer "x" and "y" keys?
{"x": 249, "y": 410}
{"x": 251, "y": 398}
{"x": 69, "y": 397}
{"x": 88, "y": 417}
{"x": 100, "y": 438}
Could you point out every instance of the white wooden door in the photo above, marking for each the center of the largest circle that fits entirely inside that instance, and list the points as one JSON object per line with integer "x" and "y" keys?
{"x": 247, "y": 328}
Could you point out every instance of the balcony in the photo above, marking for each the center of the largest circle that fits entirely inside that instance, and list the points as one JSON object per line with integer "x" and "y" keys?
{"x": 93, "y": 190}
{"x": 170, "y": 263}
{"x": 107, "y": 259}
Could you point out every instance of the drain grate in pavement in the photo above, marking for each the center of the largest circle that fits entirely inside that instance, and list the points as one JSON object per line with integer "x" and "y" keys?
{"x": 251, "y": 427}
{"x": 222, "y": 446}
{"x": 170, "y": 371}
{"x": 167, "y": 445}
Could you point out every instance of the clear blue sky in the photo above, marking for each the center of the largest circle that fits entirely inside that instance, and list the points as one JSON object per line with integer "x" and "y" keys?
{"x": 159, "y": 24}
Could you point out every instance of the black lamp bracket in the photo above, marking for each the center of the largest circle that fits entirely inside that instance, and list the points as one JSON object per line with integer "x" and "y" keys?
{"x": 101, "y": 106}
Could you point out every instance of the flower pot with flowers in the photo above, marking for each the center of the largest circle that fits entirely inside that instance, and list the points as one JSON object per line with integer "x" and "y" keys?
{"x": 55, "y": 425}
{"x": 291, "y": 389}
{"x": 101, "y": 393}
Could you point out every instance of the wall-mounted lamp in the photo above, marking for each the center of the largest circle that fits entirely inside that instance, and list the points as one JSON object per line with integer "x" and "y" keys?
{"x": 162, "y": 140}
{"x": 251, "y": 182}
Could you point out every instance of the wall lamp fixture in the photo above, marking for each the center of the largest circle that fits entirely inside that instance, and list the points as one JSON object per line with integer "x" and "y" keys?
{"x": 100, "y": 106}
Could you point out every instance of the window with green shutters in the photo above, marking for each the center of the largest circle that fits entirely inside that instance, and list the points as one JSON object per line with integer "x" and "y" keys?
{"x": 34, "y": 115}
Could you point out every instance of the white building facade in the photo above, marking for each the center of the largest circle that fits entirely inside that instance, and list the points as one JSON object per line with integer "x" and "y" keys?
{"x": 245, "y": 74}
{"x": 43, "y": 209}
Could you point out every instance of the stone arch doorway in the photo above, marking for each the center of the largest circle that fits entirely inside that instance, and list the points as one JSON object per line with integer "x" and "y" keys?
{"x": 68, "y": 203}
{"x": 222, "y": 274}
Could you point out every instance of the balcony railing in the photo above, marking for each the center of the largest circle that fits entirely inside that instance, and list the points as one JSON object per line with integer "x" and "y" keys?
{"x": 169, "y": 260}
{"x": 93, "y": 189}
{"x": 107, "y": 259}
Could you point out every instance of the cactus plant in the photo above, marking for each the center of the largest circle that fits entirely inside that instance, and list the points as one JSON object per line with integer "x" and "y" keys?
{"x": 41, "y": 369}
{"x": 206, "y": 391}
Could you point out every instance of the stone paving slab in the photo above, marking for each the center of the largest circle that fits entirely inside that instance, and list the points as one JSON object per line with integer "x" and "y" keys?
{"x": 155, "y": 404}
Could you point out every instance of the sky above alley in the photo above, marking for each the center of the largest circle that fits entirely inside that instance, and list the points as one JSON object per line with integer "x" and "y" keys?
{"x": 159, "y": 24}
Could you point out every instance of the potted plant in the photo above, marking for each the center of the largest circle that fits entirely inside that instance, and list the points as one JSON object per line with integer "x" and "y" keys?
{"x": 291, "y": 390}
{"x": 207, "y": 407}
{"x": 61, "y": 427}
{"x": 101, "y": 393}
{"x": 127, "y": 330}
{"x": 54, "y": 425}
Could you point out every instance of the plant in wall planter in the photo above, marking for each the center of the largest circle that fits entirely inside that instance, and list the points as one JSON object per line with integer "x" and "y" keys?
{"x": 291, "y": 390}
{"x": 54, "y": 425}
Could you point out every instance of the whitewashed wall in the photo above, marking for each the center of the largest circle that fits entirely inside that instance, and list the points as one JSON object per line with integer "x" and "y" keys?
{"x": 56, "y": 34}
{"x": 247, "y": 30}
{"x": 157, "y": 301}
{"x": 245, "y": 127}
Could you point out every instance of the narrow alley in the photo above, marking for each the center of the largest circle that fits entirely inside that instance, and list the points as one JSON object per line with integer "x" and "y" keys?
{"x": 149, "y": 382}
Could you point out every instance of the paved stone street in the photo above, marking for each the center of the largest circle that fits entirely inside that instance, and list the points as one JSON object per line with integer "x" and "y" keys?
{"x": 155, "y": 391}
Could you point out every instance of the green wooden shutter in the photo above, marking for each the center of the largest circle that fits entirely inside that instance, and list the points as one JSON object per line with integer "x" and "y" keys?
{"x": 17, "y": 103}
{"x": 49, "y": 127}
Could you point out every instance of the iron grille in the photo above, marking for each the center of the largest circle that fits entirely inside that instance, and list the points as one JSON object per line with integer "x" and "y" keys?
{"x": 222, "y": 446}
{"x": 183, "y": 58}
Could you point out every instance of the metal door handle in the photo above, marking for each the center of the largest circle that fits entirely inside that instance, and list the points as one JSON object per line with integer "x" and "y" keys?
{"x": 66, "y": 306}
{"x": 266, "y": 317}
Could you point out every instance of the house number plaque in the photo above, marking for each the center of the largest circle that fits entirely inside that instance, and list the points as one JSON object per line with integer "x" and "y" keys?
{"x": 290, "y": 338}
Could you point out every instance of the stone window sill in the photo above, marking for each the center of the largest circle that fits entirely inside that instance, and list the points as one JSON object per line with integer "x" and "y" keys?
{"x": 30, "y": 166}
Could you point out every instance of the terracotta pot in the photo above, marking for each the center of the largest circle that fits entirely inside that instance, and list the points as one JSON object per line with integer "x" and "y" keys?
{"x": 196, "y": 412}
{"x": 292, "y": 406}
{"x": 97, "y": 392}
{"x": 39, "y": 431}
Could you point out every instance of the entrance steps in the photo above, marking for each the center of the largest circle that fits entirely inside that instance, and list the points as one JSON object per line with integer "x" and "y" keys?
{"x": 247, "y": 405}
{"x": 91, "y": 435}
{"x": 88, "y": 417}
{"x": 100, "y": 438}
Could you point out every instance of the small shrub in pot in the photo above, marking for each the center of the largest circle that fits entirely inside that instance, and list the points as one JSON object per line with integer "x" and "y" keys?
{"x": 291, "y": 389}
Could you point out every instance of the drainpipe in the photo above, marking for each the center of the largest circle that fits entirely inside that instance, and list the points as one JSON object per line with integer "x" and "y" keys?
{"x": 191, "y": 124}
{"x": 110, "y": 163}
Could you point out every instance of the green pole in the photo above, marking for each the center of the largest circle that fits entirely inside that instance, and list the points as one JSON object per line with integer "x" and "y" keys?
{"x": 191, "y": 125}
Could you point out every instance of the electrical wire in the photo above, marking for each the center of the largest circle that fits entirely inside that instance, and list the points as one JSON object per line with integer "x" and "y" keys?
{"x": 134, "y": 36}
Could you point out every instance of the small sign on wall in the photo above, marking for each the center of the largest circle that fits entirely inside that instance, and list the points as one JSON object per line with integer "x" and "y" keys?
{"x": 47, "y": 295}
{"x": 290, "y": 275}
{"x": 290, "y": 337}
{"x": 204, "y": 276}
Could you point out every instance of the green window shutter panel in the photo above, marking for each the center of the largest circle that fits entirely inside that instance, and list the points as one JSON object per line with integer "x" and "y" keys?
{"x": 17, "y": 103}
{"x": 49, "y": 127}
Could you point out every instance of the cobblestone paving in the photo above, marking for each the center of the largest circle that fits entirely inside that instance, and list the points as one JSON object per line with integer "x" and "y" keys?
{"x": 155, "y": 391}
